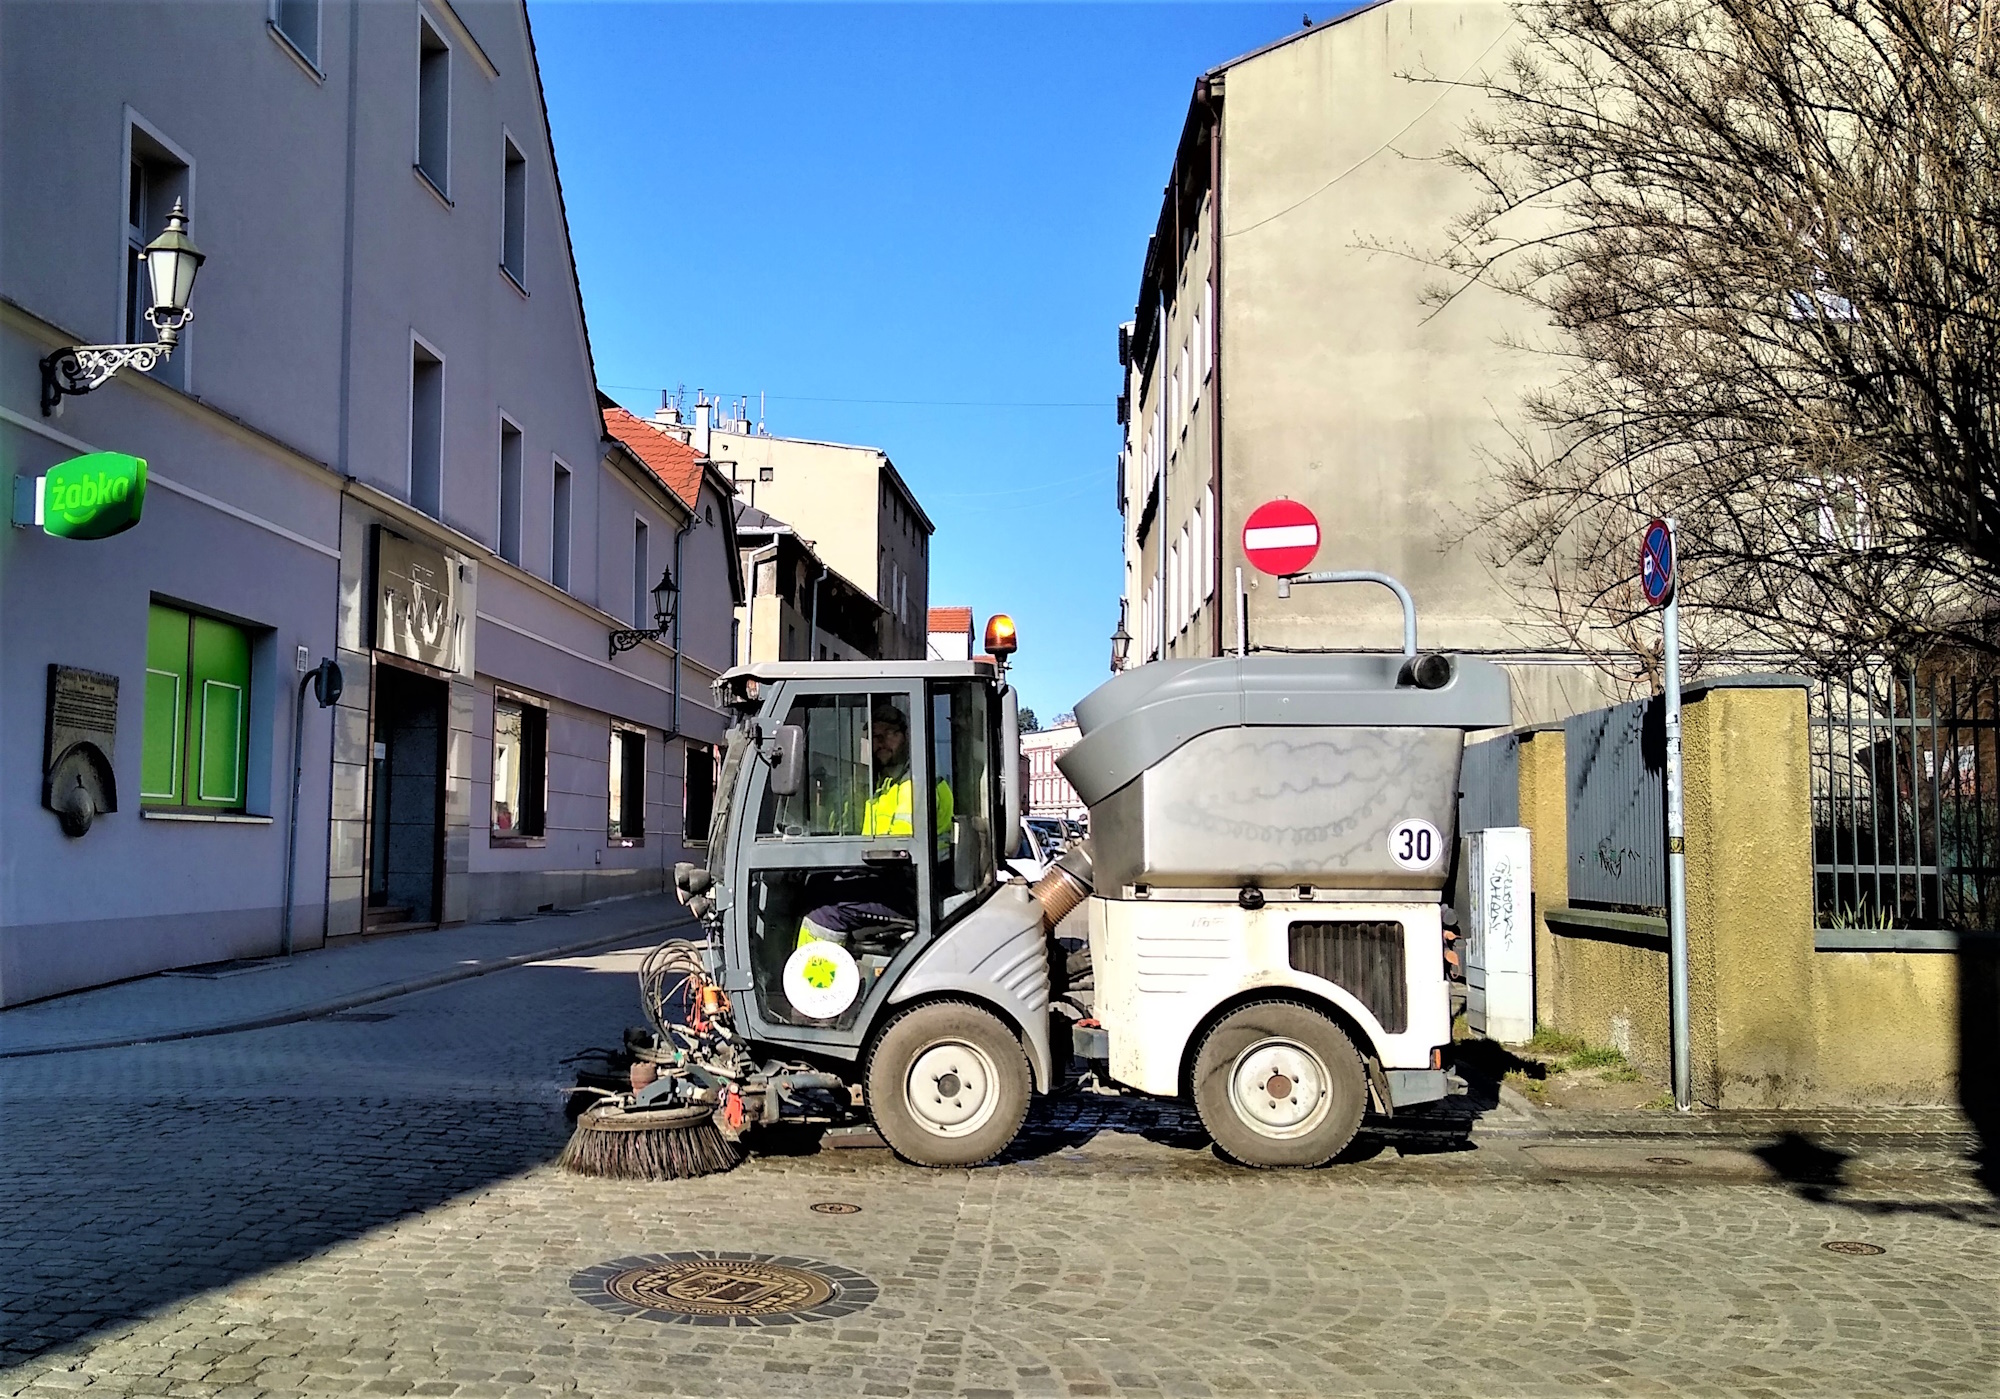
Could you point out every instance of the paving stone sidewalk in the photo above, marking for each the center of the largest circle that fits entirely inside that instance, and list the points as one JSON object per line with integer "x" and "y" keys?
{"x": 276, "y": 991}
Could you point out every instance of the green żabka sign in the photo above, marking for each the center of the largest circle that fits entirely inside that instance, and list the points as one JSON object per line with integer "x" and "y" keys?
{"x": 92, "y": 497}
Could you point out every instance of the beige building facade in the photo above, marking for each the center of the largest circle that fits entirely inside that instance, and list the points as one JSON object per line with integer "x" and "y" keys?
{"x": 1281, "y": 347}
{"x": 853, "y": 505}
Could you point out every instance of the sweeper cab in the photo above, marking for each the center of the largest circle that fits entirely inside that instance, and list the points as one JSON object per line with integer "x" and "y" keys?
{"x": 1270, "y": 841}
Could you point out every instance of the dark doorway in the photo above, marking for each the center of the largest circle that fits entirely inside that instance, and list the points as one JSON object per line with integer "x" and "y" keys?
{"x": 406, "y": 824}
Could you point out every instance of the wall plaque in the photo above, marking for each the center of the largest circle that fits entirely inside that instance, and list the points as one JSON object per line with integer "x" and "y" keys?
{"x": 80, "y": 729}
{"x": 416, "y": 601}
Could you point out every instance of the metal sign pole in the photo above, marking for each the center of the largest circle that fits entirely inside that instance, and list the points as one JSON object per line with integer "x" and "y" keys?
{"x": 1677, "y": 939}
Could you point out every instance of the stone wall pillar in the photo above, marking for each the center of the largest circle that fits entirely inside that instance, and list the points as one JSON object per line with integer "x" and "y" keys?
{"x": 1748, "y": 793}
{"x": 1544, "y": 795}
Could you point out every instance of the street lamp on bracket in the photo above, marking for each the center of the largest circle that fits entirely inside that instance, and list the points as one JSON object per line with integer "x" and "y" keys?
{"x": 666, "y": 597}
{"x": 1121, "y": 642}
{"x": 171, "y": 263}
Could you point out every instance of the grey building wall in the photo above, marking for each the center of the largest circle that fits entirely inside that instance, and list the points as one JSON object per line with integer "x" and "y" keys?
{"x": 279, "y": 439}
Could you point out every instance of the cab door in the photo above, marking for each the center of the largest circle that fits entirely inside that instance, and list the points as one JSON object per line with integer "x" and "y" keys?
{"x": 834, "y": 893}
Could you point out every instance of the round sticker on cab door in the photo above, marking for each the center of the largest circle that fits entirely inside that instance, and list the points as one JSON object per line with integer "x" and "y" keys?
{"x": 821, "y": 980}
{"x": 1415, "y": 844}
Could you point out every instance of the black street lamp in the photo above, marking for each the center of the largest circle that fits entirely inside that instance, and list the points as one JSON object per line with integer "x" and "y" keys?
{"x": 666, "y": 596}
{"x": 171, "y": 263}
{"x": 1121, "y": 642}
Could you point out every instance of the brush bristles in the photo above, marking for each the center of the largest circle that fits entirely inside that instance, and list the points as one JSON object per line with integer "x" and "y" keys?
{"x": 628, "y": 1152}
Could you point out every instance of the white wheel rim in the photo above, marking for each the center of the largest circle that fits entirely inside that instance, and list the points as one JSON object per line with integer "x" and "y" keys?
{"x": 951, "y": 1089}
{"x": 1280, "y": 1088}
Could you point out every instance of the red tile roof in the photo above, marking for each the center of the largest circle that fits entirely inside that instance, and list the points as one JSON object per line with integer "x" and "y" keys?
{"x": 667, "y": 457}
{"x": 957, "y": 620}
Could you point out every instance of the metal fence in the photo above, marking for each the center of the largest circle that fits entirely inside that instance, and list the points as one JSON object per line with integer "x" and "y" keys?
{"x": 1616, "y": 769}
{"x": 1905, "y": 801}
{"x": 1489, "y": 785}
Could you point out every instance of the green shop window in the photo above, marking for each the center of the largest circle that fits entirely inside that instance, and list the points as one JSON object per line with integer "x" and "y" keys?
{"x": 196, "y": 752}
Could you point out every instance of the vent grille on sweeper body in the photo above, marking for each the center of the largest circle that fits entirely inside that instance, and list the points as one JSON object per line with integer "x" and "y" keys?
{"x": 1364, "y": 958}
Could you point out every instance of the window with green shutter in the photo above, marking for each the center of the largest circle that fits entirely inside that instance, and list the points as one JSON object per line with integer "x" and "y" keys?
{"x": 197, "y": 737}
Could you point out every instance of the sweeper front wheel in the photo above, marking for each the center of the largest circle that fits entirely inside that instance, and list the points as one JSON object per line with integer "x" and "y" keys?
{"x": 650, "y": 1144}
{"x": 948, "y": 1085}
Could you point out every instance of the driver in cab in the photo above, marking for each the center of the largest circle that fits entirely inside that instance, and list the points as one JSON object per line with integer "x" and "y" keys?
{"x": 880, "y": 899}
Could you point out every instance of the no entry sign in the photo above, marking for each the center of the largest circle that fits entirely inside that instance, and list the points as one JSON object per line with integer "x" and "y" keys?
{"x": 1280, "y": 537}
{"x": 1656, "y": 562}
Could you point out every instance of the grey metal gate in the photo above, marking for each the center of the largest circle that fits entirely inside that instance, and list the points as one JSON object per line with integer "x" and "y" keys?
{"x": 1615, "y": 761}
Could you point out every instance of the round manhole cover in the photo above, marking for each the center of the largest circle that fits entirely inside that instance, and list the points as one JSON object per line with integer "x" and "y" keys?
{"x": 1854, "y": 1247}
{"x": 1668, "y": 1161}
{"x": 707, "y": 1288}
{"x": 835, "y": 1207}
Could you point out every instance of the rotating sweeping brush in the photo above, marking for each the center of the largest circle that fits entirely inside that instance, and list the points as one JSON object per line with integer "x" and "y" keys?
{"x": 648, "y": 1144}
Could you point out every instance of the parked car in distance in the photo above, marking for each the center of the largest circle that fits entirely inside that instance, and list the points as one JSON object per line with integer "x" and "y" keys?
{"x": 1032, "y": 856}
{"x": 1055, "y": 836}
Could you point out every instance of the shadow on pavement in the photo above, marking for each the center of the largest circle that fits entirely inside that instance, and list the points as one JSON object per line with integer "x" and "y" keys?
{"x": 1819, "y": 1173}
{"x": 142, "y": 1177}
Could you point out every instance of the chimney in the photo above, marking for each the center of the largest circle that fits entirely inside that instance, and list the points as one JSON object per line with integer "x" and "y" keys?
{"x": 670, "y": 409}
{"x": 703, "y": 414}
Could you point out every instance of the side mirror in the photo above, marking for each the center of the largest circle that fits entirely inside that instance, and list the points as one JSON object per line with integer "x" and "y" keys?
{"x": 1012, "y": 787}
{"x": 787, "y": 758}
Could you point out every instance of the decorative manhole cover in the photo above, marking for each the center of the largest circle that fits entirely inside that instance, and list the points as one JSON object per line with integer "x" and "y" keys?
{"x": 835, "y": 1207}
{"x": 1669, "y": 1161}
{"x": 708, "y": 1288}
{"x": 1853, "y": 1246}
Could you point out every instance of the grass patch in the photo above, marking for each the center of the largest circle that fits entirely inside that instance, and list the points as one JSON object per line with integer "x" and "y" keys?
{"x": 1590, "y": 1057}
{"x": 1663, "y": 1103}
{"x": 1547, "y": 1041}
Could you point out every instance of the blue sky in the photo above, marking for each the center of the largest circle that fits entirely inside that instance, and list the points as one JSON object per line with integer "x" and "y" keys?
{"x": 878, "y": 214}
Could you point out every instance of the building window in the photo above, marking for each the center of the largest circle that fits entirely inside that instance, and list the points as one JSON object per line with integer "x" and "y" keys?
{"x": 195, "y": 753}
{"x": 297, "y": 21}
{"x": 520, "y": 769}
{"x": 1208, "y": 319}
{"x": 642, "y": 586}
{"x": 1208, "y": 542}
{"x": 627, "y": 824}
{"x": 514, "y": 216}
{"x": 155, "y": 178}
{"x": 510, "y": 493}
{"x": 433, "y": 107}
{"x": 559, "y": 529}
{"x": 697, "y": 792}
{"x": 426, "y": 429}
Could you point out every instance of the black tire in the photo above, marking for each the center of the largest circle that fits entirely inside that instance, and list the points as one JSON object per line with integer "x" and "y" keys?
{"x": 950, "y": 1042}
{"x": 1298, "y": 1045}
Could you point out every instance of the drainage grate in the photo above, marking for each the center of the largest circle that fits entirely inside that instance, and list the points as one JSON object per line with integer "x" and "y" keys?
{"x": 1853, "y": 1248}
{"x": 708, "y": 1288}
{"x": 1668, "y": 1161}
{"x": 835, "y": 1207}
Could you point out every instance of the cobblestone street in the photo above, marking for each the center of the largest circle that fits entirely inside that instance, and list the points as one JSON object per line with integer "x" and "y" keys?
{"x": 365, "y": 1204}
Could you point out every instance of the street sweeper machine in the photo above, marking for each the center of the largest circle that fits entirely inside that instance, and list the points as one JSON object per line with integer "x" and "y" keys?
{"x": 1270, "y": 837}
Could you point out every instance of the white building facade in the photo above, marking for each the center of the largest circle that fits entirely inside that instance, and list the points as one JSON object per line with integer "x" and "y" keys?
{"x": 1049, "y": 792}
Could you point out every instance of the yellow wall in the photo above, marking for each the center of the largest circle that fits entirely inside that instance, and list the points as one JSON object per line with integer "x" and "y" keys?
{"x": 1544, "y": 810}
{"x": 1773, "y": 1022}
{"x": 1885, "y": 1025}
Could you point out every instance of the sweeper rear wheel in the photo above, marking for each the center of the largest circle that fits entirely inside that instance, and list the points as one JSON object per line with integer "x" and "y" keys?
{"x": 650, "y": 1144}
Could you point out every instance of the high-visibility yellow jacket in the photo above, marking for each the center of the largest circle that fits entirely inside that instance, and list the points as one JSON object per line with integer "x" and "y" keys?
{"x": 889, "y": 811}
